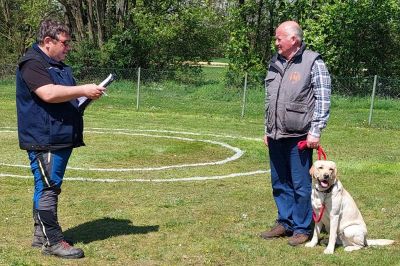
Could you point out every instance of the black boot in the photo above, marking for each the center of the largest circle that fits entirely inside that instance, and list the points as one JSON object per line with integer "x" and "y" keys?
{"x": 38, "y": 241}
{"x": 63, "y": 250}
{"x": 38, "y": 237}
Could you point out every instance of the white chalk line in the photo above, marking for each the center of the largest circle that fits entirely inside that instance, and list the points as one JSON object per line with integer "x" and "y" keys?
{"x": 238, "y": 154}
{"x": 181, "y": 133}
{"x": 162, "y": 131}
{"x": 113, "y": 180}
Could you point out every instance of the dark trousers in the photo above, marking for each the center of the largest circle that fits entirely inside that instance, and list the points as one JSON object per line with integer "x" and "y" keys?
{"x": 48, "y": 168}
{"x": 291, "y": 184}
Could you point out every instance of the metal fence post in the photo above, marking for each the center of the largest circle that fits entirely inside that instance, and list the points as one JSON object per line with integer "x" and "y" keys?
{"x": 244, "y": 94}
{"x": 372, "y": 100}
{"x": 138, "y": 89}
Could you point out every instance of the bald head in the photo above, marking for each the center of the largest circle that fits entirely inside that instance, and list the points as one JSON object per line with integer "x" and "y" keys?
{"x": 288, "y": 38}
{"x": 291, "y": 28}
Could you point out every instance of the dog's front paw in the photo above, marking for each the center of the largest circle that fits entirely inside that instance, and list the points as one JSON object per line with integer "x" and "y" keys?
{"x": 352, "y": 248}
{"x": 328, "y": 251}
{"x": 310, "y": 244}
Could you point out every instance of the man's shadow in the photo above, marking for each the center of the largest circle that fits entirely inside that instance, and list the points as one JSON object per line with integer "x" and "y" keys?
{"x": 104, "y": 228}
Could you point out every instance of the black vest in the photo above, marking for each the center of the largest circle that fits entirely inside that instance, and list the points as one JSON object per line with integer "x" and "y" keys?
{"x": 42, "y": 125}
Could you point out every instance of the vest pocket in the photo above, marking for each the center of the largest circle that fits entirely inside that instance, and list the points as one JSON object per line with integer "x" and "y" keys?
{"x": 269, "y": 78}
{"x": 61, "y": 131}
{"x": 296, "y": 118}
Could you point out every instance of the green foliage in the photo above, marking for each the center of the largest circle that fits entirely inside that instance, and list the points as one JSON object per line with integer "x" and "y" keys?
{"x": 241, "y": 49}
{"x": 84, "y": 54}
{"x": 161, "y": 38}
{"x": 246, "y": 47}
{"x": 19, "y": 20}
{"x": 357, "y": 37}
{"x": 123, "y": 49}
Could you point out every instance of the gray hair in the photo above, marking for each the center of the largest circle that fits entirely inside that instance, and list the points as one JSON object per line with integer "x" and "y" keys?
{"x": 51, "y": 28}
{"x": 292, "y": 28}
{"x": 296, "y": 31}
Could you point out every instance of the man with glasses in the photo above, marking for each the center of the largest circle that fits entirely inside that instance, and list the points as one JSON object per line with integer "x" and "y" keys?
{"x": 50, "y": 125}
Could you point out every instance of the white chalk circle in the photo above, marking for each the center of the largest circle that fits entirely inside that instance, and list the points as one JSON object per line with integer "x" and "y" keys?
{"x": 237, "y": 154}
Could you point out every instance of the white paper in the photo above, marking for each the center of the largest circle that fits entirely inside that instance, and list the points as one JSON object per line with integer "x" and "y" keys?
{"x": 84, "y": 101}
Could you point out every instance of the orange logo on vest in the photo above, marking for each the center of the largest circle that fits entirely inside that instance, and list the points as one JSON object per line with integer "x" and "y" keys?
{"x": 294, "y": 77}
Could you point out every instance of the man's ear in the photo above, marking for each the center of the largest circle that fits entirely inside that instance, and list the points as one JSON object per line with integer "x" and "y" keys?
{"x": 295, "y": 41}
{"x": 47, "y": 39}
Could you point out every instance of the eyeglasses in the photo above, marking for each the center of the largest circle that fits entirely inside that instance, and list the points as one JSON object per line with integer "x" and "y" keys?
{"x": 66, "y": 43}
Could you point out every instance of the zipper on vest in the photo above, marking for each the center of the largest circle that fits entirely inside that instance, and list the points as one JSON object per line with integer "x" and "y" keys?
{"x": 277, "y": 98}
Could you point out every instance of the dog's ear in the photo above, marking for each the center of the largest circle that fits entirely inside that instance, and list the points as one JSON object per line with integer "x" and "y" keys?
{"x": 312, "y": 169}
{"x": 335, "y": 172}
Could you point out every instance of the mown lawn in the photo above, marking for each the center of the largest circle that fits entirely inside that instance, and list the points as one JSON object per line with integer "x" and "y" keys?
{"x": 204, "y": 222}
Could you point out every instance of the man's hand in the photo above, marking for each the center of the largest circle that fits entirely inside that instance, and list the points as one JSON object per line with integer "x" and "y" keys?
{"x": 312, "y": 142}
{"x": 92, "y": 91}
{"x": 266, "y": 140}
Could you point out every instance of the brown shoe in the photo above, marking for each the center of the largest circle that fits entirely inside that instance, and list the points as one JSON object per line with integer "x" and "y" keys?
{"x": 277, "y": 231}
{"x": 298, "y": 239}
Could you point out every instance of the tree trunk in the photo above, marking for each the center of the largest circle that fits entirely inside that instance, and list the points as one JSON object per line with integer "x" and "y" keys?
{"x": 100, "y": 14}
{"x": 121, "y": 10}
{"x": 6, "y": 13}
{"x": 90, "y": 20}
{"x": 73, "y": 9}
{"x": 271, "y": 30}
{"x": 259, "y": 30}
{"x": 77, "y": 13}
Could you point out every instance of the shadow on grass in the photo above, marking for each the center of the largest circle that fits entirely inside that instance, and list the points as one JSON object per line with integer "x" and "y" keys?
{"x": 105, "y": 228}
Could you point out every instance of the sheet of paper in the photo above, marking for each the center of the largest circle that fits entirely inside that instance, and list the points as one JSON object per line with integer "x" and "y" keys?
{"x": 83, "y": 101}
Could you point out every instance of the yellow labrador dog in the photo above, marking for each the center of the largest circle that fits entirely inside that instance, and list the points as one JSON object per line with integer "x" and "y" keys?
{"x": 335, "y": 209}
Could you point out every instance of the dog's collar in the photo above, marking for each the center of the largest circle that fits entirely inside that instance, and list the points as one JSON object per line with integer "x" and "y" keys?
{"x": 329, "y": 190}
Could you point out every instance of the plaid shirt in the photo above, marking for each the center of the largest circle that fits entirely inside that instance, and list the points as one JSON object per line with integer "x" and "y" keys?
{"x": 321, "y": 84}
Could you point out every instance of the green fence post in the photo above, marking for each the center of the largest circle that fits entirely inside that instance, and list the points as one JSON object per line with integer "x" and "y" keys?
{"x": 372, "y": 100}
{"x": 138, "y": 89}
{"x": 244, "y": 94}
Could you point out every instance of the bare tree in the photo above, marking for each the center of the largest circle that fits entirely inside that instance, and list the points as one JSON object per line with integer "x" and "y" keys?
{"x": 74, "y": 8}
{"x": 5, "y": 6}
{"x": 121, "y": 10}
{"x": 100, "y": 6}
{"x": 90, "y": 20}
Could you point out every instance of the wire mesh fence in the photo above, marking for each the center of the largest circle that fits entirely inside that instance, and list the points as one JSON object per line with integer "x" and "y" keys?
{"x": 211, "y": 88}
{"x": 387, "y": 87}
{"x": 363, "y": 86}
{"x": 7, "y": 72}
{"x": 216, "y": 92}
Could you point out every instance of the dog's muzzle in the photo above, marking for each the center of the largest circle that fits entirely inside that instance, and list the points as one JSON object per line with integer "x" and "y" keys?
{"x": 324, "y": 183}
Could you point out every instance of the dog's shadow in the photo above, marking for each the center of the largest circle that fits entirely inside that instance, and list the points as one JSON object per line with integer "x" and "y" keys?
{"x": 104, "y": 228}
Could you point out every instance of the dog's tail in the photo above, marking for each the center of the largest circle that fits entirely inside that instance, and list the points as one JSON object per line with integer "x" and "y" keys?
{"x": 379, "y": 242}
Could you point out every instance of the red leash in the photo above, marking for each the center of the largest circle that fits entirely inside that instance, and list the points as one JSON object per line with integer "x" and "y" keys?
{"x": 302, "y": 145}
{"x": 321, "y": 213}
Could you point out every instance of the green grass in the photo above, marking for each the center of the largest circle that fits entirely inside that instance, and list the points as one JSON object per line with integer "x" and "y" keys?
{"x": 213, "y": 222}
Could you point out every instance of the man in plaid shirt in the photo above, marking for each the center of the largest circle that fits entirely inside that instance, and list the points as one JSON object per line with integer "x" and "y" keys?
{"x": 298, "y": 88}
